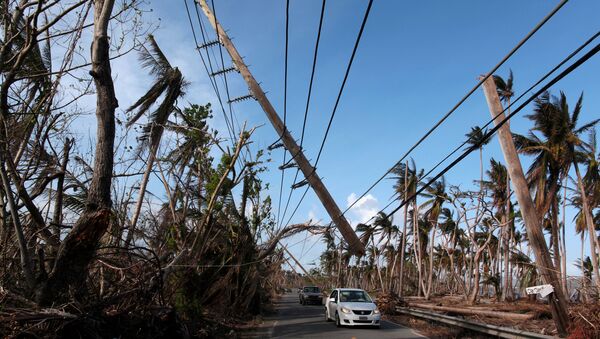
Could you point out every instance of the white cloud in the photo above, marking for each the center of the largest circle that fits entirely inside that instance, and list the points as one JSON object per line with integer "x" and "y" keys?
{"x": 364, "y": 209}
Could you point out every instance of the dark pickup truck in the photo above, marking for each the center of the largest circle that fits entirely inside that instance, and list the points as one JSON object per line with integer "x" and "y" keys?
{"x": 310, "y": 295}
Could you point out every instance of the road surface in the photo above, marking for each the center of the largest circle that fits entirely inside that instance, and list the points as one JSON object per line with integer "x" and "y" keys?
{"x": 296, "y": 321}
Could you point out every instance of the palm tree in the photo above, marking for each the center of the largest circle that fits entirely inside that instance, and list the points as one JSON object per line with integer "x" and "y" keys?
{"x": 498, "y": 186}
{"x": 386, "y": 227}
{"x": 168, "y": 82}
{"x": 477, "y": 137}
{"x": 437, "y": 195}
{"x": 589, "y": 193}
{"x": 407, "y": 180}
{"x": 505, "y": 88}
{"x": 557, "y": 149}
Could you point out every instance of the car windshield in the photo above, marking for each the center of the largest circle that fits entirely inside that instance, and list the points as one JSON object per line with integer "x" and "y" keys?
{"x": 354, "y": 297}
{"x": 311, "y": 289}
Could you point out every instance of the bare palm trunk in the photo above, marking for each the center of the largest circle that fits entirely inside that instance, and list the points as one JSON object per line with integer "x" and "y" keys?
{"x": 563, "y": 241}
{"x": 430, "y": 279}
{"x": 403, "y": 246}
{"x": 142, "y": 193}
{"x": 590, "y": 225}
{"x": 507, "y": 290}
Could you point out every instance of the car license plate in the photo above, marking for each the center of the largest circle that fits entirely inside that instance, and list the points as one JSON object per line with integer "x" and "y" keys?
{"x": 362, "y": 318}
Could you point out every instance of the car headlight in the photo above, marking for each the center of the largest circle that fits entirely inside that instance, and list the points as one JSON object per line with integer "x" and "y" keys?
{"x": 345, "y": 310}
{"x": 376, "y": 311}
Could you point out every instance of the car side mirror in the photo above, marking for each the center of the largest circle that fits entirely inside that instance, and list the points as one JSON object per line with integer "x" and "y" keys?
{"x": 332, "y": 300}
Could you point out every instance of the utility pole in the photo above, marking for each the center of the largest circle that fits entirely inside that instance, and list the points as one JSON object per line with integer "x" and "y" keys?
{"x": 557, "y": 300}
{"x": 355, "y": 246}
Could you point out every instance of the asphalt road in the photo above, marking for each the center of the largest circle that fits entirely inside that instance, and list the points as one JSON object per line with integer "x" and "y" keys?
{"x": 296, "y": 321}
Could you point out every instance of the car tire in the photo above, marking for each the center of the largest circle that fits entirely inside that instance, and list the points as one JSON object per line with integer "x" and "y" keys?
{"x": 337, "y": 320}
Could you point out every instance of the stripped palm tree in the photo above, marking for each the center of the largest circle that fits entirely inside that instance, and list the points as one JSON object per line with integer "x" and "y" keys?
{"x": 168, "y": 84}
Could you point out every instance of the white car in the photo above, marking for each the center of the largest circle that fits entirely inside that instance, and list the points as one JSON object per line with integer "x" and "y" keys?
{"x": 352, "y": 307}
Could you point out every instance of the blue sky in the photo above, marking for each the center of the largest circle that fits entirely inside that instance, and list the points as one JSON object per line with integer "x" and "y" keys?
{"x": 415, "y": 61}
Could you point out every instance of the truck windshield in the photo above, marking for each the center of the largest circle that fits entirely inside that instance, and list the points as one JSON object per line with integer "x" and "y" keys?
{"x": 311, "y": 290}
{"x": 354, "y": 297}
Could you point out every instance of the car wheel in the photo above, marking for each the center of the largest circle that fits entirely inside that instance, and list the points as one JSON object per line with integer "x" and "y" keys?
{"x": 337, "y": 320}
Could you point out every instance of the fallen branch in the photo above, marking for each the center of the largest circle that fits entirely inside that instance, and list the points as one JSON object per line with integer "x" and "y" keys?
{"x": 502, "y": 315}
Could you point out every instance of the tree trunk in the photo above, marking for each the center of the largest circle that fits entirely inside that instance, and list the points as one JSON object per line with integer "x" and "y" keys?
{"x": 563, "y": 256}
{"x": 556, "y": 236}
{"x": 557, "y": 301}
{"x": 430, "y": 279}
{"x": 507, "y": 290}
{"x": 403, "y": 246}
{"x": 589, "y": 221}
{"x": 141, "y": 194}
{"x": 78, "y": 248}
{"x": 26, "y": 262}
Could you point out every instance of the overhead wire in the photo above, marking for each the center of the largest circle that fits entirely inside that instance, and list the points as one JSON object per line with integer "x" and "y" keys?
{"x": 232, "y": 120}
{"x": 232, "y": 115}
{"x": 462, "y": 100}
{"x": 287, "y": 26}
{"x": 514, "y": 102}
{"x": 492, "y": 131}
{"x": 212, "y": 81}
{"x": 337, "y": 101}
{"x": 310, "y": 86}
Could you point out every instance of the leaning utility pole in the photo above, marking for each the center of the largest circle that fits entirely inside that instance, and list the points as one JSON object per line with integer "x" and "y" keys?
{"x": 355, "y": 245}
{"x": 557, "y": 300}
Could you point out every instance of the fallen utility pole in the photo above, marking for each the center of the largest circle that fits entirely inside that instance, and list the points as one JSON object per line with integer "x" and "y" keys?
{"x": 557, "y": 300}
{"x": 355, "y": 245}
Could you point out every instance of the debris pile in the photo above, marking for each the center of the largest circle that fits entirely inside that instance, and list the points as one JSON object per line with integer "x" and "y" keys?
{"x": 387, "y": 302}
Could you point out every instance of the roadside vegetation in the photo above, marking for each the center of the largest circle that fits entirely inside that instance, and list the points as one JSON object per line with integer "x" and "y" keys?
{"x": 87, "y": 249}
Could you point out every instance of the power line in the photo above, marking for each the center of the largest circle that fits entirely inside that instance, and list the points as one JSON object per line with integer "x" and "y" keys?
{"x": 213, "y": 84}
{"x": 229, "y": 122}
{"x": 312, "y": 76}
{"x": 232, "y": 116}
{"x": 464, "y": 98}
{"x": 546, "y": 76}
{"x": 287, "y": 25}
{"x": 337, "y": 101}
{"x": 224, "y": 74}
{"x": 491, "y": 132}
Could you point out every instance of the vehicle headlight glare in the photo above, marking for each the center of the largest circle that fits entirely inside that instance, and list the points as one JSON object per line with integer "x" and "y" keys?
{"x": 376, "y": 311}
{"x": 345, "y": 310}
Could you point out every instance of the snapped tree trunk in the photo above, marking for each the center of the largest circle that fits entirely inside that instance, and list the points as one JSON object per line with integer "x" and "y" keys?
{"x": 79, "y": 247}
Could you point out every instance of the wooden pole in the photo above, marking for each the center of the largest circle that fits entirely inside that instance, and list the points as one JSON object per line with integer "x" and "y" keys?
{"x": 355, "y": 246}
{"x": 557, "y": 300}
